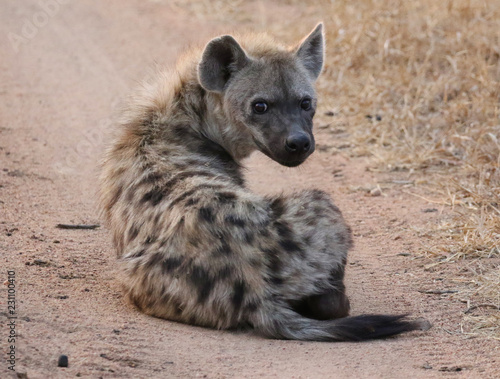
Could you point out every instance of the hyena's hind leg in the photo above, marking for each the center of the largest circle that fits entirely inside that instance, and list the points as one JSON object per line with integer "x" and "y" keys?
{"x": 314, "y": 241}
{"x": 325, "y": 306}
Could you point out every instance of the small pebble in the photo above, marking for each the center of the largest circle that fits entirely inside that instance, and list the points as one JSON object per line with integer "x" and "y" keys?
{"x": 62, "y": 361}
{"x": 427, "y": 366}
{"x": 376, "y": 192}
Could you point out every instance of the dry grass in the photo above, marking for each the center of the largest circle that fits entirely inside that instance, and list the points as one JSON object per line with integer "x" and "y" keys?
{"x": 479, "y": 291}
{"x": 431, "y": 71}
{"x": 427, "y": 75}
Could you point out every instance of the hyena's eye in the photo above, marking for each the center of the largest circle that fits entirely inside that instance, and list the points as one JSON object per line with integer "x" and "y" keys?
{"x": 260, "y": 107}
{"x": 306, "y": 104}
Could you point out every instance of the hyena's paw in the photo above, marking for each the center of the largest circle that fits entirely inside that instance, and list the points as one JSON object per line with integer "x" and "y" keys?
{"x": 326, "y": 306}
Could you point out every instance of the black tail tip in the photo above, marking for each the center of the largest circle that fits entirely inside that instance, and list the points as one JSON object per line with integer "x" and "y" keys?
{"x": 368, "y": 327}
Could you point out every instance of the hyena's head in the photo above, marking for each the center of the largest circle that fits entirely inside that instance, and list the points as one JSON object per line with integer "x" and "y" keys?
{"x": 269, "y": 93}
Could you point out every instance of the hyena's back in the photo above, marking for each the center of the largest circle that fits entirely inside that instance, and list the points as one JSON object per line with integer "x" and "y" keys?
{"x": 197, "y": 247}
{"x": 194, "y": 244}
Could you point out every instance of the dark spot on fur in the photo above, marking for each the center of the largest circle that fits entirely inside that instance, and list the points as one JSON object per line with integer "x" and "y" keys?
{"x": 157, "y": 218}
{"x": 211, "y": 149}
{"x": 194, "y": 241}
{"x": 276, "y": 280}
{"x": 132, "y": 233}
{"x": 341, "y": 238}
{"x": 337, "y": 276}
{"x": 150, "y": 178}
{"x": 181, "y": 197}
{"x": 334, "y": 208}
{"x": 239, "y": 290}
{"x": 249, "y": 237}
{"x": 278, "y": 207}
{"x": 255, "y": 262}
{"x": 317, "y": 195}
{"x": 130, "y": 194}
{"x": 137, "y": 254}
{"x": 224, "y": 273}
{"x": 201, "y": 280}
{"x": 234, "y": 220}
{"x": 192, "y": 201}
{"x": 193, "y": 320}
{"x": 170, "y": 264}
{"x": 290, "y": 246}
{"x": 222, "y": 160}
{"x": 206, "y": 214}
{"x": 226, "y": 197}
{"x": 195, "y": 162}
{"x": 284, "y": 230}
{"x": 263, "y": 232}
{"x": 308, "y": 237}
{"x": 136, "y": 301}
{"x": 186, "y": 194}
{"x": 154, "y": 196}
{"x": 252, "y": 306}
{"x": 317, "y": 211}
{"x": 150, "y": 240}
{"x": 223, "y": 250}
{"x": 301, "y": 213}
{"x": 180, "y": 131}
{"x": 176, "y": 304}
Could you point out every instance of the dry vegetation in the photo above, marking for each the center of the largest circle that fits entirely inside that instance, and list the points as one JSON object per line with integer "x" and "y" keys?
{"x": 431, "y": 71}
{"x": 427, "y": 73}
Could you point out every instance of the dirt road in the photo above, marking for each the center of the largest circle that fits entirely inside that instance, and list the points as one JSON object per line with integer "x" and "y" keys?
{"x": 63, "y": 72}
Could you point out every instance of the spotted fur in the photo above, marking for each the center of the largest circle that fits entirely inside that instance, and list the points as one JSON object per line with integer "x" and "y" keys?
{"x": 194, "y": 244}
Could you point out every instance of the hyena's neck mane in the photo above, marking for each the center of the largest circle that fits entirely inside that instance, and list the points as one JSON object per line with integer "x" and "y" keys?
{"x": 175, "y": 117}
{"x": 174, "y": 103}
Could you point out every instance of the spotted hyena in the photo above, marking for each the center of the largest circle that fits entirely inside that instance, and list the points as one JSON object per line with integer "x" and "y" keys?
{"x": 194, "y": 244}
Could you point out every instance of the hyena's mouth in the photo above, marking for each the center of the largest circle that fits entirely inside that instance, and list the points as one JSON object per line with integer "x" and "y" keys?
{"x": 291, "y": 163}
{"x": 285, "y": 160}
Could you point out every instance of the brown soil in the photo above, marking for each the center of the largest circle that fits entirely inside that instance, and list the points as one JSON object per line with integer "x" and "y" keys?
{"x": 58, "y": 92}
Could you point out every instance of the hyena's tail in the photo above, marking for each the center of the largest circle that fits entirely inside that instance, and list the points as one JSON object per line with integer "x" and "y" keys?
{"x": 291, "y": 325}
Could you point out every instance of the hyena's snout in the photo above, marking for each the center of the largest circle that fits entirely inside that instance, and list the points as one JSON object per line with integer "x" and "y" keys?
{"x": 298, "y": 143}
{"x": 296, "y": 147}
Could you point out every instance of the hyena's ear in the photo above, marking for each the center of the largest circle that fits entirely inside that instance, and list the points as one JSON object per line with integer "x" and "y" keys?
{"x": 222, "y": 57}
{"x": 311, "y": 51}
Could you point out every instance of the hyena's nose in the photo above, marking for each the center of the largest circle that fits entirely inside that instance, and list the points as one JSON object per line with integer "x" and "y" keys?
{"x": 298, "y": 143}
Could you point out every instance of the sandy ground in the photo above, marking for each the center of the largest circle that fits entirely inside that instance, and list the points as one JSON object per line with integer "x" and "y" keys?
{"x": 59, "y": 87}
